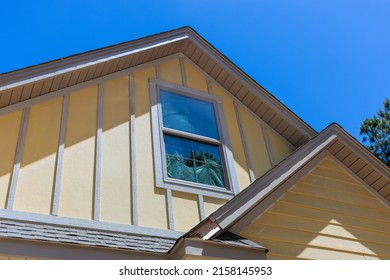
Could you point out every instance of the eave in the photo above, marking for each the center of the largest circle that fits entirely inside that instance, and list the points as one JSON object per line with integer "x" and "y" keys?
{"x": 48, "y": 78}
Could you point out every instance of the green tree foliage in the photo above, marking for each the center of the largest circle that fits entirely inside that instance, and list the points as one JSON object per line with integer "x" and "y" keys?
{"x": 376, "y": 133}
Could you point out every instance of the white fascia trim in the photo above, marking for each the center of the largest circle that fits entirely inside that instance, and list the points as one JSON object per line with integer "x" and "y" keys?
{"x": 89, "y": 60}
{"x": 87, "y": 224}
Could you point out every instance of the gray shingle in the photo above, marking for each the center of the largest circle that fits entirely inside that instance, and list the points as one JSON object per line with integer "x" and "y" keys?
{"x": 74, "y": 235}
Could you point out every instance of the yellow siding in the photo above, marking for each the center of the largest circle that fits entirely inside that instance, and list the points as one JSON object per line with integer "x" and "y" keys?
{"x": 279, "y": 146}
{"x": 334, "y": 217}
{"x": 76, "y": 196}
{"x": 195, "y": 79}
{"x": 211, "y": 204}
{"x": 254, "y": 138}
{"x": 234, "y": 136}
{"x": 115, "y": 181}
{"x": 185, "y": 210}
{"x": 36, "y": 175}
{"x": 170, "y": 71}
{"x": 151, "y": 200}
{"x": 9, "y": 132}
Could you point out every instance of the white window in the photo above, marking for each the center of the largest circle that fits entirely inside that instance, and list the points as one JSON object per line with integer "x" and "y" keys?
{"x": 191, "y": 148}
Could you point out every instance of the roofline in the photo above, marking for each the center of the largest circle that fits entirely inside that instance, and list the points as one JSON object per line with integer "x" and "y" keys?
{"x": 74, "y": 62}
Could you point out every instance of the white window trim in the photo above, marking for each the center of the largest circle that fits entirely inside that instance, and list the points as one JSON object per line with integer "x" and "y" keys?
{"x": 162, "y": 181}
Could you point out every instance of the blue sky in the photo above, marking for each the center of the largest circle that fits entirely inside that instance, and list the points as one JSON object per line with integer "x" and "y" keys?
{"x": 327, "y": 60}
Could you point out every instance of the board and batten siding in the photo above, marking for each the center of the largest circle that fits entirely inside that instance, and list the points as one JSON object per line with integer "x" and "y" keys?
{"x": 88, "y": 153}
{"x": 327, "y": 214}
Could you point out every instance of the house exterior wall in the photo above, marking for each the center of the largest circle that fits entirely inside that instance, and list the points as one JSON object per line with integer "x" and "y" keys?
{"x": 9, "y": 126}
{"x": 327, "y": 214}
{"x": 91, "y": 171}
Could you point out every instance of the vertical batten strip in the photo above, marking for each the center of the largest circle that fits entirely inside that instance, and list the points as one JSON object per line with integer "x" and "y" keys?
{"x": 60, "y": 156}
{"x": 209, "y": 88}
{"x": 98, "y": 154}
{"x": 133, "y": 171}
{"x": 243, "y": 139}
{"x": 267, "y": 145}
{"x": 183, "y": 72}
{"x": 201, "y": 207}
{"x": 18, "y": 159}
{"x": 158, "y": 72}
{"x": 171, "y": 224}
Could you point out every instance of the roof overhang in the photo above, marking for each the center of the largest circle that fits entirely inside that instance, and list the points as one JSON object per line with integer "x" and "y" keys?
{"x": 19, "y": 86}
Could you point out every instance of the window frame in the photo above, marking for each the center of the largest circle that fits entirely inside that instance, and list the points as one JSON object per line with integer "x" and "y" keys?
{"x": 160, "y": 170}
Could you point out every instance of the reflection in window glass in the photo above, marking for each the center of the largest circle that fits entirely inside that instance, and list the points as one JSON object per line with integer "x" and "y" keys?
{"x": 188, "y": 114}
{"x": 193, "y": 161}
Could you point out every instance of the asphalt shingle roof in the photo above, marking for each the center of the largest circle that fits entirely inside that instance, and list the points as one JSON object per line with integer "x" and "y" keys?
{"x": 81, "y": 236}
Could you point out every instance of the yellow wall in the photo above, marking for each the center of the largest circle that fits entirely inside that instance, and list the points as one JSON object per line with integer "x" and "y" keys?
{"x": 9, "y": 132}
{"x": 170, "y": 71}
{"x": 280, "y": 147}
{"x": 185, "y": 210}
{"x": 36, "y": 176}
{"x": 211, "y": 204}
{"x": 257, "y": 150}
{"x": 76, "y": 196}
{"x": 326, "y": 215}
{"x": 234, "y": 137}
{"x": 35, "y": 185}
{"x": 151, "y": 200}
{"x": 195, "y": 79}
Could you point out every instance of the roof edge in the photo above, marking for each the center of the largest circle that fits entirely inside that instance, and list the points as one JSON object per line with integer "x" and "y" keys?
{"x": 76, "y": 61}
{"x": 227, "y": 215}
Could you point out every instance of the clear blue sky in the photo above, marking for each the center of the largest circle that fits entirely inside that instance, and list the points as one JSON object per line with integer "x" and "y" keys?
{"x": 327, "y": 60}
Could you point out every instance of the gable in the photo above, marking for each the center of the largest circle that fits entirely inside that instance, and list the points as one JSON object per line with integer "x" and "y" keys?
{"x": 39, "y": 81}
{"x": 327, "y": 214}
{"x": 87, "y": 152}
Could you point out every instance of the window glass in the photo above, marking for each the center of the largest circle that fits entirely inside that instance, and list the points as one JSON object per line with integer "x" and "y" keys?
{"x": 193, "y": 161}
{"x": 188, "y": 114}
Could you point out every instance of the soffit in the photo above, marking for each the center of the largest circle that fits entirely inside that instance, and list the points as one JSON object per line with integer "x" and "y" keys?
{"x": 28, "y": 83}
